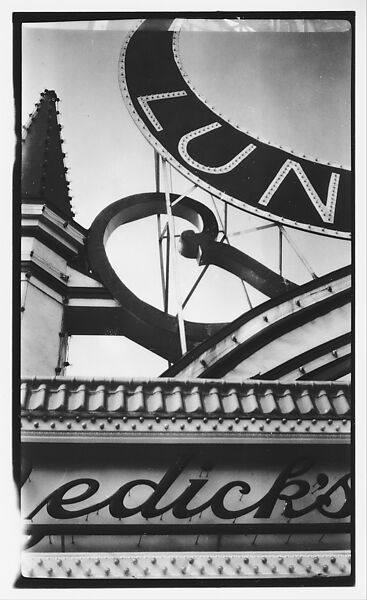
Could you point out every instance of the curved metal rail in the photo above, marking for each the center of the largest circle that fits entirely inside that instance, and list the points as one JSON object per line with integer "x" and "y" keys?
{"x": 270, "y": 339}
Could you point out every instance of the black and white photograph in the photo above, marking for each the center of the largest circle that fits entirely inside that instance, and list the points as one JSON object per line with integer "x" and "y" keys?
{"x": 185, "y": 220}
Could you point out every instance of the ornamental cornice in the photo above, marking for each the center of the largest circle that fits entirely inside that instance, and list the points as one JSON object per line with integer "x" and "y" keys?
{"x": 171, "y": 408}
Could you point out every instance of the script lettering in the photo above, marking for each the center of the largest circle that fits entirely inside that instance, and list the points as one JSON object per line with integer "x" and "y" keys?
{"x": 264, "y": 507}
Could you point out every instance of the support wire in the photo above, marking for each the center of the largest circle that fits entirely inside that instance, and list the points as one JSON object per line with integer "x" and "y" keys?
{"x": 172, "y": 243}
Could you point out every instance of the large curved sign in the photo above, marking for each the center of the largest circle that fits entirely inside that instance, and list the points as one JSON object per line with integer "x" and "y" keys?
{"x": 213, "y": 153}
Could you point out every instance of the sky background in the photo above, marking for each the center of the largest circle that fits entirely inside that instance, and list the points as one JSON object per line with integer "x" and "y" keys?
{"x": 290, "y": 88}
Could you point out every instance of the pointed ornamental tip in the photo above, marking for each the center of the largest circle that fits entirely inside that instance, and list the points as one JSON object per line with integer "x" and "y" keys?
{"x": 43, "y": 170}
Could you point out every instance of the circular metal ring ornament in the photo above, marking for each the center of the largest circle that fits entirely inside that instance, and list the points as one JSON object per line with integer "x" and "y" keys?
{"x": 144, "y": 323}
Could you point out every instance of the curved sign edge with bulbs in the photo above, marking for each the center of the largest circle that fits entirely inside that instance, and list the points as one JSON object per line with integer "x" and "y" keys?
{"x": 216, "y": 155}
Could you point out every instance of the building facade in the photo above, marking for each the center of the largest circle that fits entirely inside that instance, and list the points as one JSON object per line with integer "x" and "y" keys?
{"x": 235, "y": 463}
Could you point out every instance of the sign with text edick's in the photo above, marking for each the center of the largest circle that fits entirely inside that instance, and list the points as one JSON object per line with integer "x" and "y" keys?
{"x": 238, "y": 168}
{"x": 162, "y": 486}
